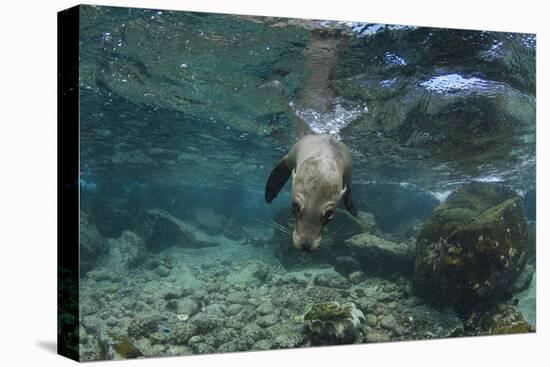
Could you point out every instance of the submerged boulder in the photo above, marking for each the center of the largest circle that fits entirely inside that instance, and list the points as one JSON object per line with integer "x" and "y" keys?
{"x": 112, "y": 221}
{"x": 92, "y": 244}
{"x": 332, "y": 323}
{"x": 161, "y": 230}
{"x": 473, "y": 247}
{"x": 377, "y": 255}
{"x": 126, "y": 252}
{"x": 396, "y": 206}
{"x": 215, "y": 223}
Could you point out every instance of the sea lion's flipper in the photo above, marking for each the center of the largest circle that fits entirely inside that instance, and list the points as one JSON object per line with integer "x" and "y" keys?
{"x": 348, "y": 202}
{"x": 277, "y": 179}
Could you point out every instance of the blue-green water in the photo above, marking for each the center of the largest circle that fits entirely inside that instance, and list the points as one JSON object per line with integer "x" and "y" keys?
{"x": 183, "y": 116}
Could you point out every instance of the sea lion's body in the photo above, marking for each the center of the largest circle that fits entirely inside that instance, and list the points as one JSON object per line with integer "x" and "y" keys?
{"x": 321, "y": 174}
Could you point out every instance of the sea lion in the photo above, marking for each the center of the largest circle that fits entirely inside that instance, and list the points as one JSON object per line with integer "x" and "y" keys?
{"x": 321, "y": 174}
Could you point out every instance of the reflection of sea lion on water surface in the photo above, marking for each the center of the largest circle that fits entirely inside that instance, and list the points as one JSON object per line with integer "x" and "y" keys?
{"x": 321, "y": 174}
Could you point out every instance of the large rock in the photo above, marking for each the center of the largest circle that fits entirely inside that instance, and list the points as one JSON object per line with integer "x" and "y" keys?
{"x": 126, "y": 252}
{"x": 377, "y": 255}
{"x": 473, "y": 247}
{"x": 395, "y": 206}
{"x": 112, "y": 221}
{"x": 92, "y": 244}
{"x": 162, "y": 230}
{"x": 215, "y": 223}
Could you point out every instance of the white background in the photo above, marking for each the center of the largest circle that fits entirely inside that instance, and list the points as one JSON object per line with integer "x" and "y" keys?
{"x": 28, "y": 182}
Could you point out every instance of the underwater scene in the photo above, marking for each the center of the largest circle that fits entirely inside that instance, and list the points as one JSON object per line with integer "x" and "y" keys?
{"x": 256, "y": 183}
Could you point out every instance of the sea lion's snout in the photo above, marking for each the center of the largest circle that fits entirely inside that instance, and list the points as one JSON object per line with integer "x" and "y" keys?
{"x": 306, "y": 243}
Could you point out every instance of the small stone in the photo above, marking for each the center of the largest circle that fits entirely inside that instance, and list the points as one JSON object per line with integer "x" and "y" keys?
{"x": 265, "y": 308}
{"x": 182, "y": 332}
{"x": 266, "y": 321}
{"x": 111, "y": 321}
{"x": 263, "y": 344}
{"x": 182, "y": 317}
{"x": 142, "y": 327}
{"x": 202, "y": 348}
{"x": 172, "y": 305}
{"x": 388, "y": 322}
{"x": 331, "y": 279}
{"x": 195, "y": 339}
{"x": 233, "y": 309}
{"x": 188, "y": 306}
{"x": 157, "y": 337}
{"x": 215, "y": 310}
{"x": 389, "y": 288}
{"x": 251, "y": 333}
{"x": 230, "y": 346}
{"x": 371, "y": 320}
{"x": 205, "y": 323}
{"x": 235, "y": 297}
{"x": 378, "y": 337}
{"x": 357, "y": 277}
{"x": 163, "y": 271}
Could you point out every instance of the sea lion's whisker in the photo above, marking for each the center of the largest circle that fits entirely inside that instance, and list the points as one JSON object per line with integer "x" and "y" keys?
{"x": 289, "y": 235}
{"x": 278, "y": 225}
{"x": 281, "y": 226}
{"x": 275, "y": 226}
{"x": 333, "y": 233}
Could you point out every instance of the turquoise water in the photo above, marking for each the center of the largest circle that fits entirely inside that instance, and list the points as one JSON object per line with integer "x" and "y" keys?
{"x": 183, "y": 117}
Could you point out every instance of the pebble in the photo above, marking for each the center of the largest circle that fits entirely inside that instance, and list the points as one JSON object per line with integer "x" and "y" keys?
{"x": 265, "y": 308}
{"x": 262, "y": 344}
{"x": 377, "y": 337}
{"x": 163, "y": 271}
{"x": 188, "y": 306}
{"x": 215, "y": 310}
{"x": 233, "y": 309}
{"x": 235, "y": 297}
{"x": 266, "y": 321}
{"x": 371, "y": 320}
{"x": 357, "y": 277}
{"x": 388, "y": 322}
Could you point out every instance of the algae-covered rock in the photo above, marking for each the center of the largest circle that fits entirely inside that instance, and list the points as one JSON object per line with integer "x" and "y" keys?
{"x": 473, "y": 247}
{"x": 502, "y": 319}
{"x": 332, "y": 323}
{"x": 183, "y": 331}
{"x": 462, "y": 206}
{"x": 125, "y": 349}
{"x": 142, "y": 327}
{"x": 378, "y": 255}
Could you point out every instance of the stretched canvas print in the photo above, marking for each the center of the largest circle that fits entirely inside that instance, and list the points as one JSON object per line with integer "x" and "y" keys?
{"x": 240, "y": 183}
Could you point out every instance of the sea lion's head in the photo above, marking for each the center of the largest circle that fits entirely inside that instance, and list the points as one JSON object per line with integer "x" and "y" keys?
{"x": 315, "y": 195}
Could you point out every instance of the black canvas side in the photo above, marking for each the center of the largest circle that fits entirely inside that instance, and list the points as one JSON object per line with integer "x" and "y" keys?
{"x": 68, "y": 182}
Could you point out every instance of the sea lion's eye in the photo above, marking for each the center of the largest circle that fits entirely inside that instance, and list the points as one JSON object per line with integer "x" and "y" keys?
{"x": 329, "y": 214}
{"x": 295, "y": 208}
